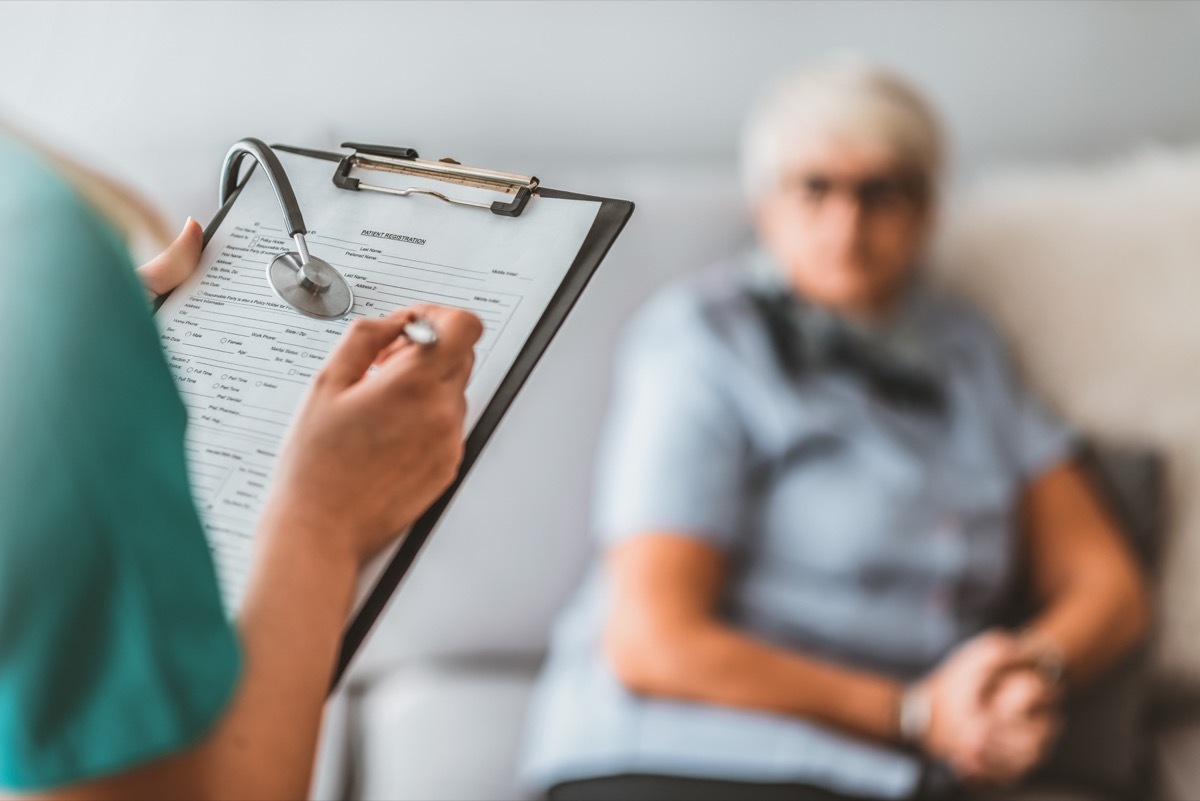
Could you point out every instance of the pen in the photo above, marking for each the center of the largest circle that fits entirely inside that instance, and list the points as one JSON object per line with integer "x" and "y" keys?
{"x": 421, "y": 332}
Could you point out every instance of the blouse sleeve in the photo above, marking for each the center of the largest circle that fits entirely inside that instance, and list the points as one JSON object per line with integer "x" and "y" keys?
{"x": 1034, "y": 437}
{"x": 114, "y": 647}
{"x": 673, "y": 454}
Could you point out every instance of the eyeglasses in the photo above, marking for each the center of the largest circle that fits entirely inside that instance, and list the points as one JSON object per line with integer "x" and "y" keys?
{"x": 881, "y": 193}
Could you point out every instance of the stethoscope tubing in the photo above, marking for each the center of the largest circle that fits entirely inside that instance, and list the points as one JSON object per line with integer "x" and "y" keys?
{"x": 309, "y": 285}
{"x": 264, "y": 155}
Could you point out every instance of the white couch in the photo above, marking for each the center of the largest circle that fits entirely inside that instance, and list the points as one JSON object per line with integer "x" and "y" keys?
{"x": 1093, "y": 270}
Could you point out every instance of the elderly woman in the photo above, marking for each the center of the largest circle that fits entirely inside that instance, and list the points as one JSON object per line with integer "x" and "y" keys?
{"x": 820, "y": 483}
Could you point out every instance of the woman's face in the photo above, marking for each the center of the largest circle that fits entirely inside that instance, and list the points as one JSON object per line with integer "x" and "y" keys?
{"x": 847, "y": 223}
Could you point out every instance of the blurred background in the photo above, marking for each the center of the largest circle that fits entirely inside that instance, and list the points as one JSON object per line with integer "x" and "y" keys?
{"x": 1073, "y": 217}
{"x": 155, "y": 92}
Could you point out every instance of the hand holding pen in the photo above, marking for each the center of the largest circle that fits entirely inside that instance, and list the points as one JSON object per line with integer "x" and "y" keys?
{"x": 401, "y": 429}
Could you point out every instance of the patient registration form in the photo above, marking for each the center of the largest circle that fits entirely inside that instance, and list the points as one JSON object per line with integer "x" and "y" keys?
{"x": 243, "y": 358}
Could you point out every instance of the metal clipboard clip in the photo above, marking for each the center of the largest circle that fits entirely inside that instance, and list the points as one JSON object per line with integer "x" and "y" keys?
{"x": 404, "y": 160}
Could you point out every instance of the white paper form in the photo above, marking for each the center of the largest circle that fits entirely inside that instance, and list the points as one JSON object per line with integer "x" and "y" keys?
{"x": 243, "y": 358}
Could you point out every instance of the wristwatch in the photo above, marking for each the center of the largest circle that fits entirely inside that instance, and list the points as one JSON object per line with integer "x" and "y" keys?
{"x": 1046, "y": 657}
{"x": 915, "y": 714}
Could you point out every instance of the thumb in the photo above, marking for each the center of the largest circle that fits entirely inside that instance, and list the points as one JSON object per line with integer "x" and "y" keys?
{"x": 359, "y": 347}
{"x": 984, "y": 659}
{"x": 168, "y": 269}
{"x": 1004, "y": 669}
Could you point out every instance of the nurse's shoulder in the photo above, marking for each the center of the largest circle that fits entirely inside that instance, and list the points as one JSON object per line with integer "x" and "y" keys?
{"x": 51, "y": 239}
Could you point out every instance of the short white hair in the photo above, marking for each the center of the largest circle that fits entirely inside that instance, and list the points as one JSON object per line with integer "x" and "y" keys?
{"x": 845, "y": 98}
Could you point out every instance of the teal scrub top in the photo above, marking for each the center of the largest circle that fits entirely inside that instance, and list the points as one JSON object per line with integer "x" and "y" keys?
{"x": 114, "y": 646}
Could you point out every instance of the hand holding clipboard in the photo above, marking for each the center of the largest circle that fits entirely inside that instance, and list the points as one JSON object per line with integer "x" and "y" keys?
{"x": 413, "y": 232}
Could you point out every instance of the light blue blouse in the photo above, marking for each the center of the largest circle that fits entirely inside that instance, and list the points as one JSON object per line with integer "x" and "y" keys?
{"x": 857, "y": 532}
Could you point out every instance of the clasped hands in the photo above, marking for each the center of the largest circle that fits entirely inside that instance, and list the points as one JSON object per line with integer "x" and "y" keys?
{"x": 994, "y": 714}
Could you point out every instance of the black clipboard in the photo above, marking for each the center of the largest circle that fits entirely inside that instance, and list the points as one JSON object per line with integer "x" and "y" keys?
{"x": 610, "y": 221}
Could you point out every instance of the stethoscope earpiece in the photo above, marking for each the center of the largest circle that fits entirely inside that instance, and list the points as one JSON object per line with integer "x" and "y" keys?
{"x": 309, "y": 285}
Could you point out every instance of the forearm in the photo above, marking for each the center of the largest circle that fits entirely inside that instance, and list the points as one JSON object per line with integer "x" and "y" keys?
{"x": 1095, "y": 603}
{"x": 713, "y": 663}
{"x": 291, "y": 625}
{"x": 1094, "y": 619}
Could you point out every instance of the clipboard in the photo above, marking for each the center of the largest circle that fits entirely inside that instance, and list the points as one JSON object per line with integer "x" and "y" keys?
{"x": 346, "y": 173}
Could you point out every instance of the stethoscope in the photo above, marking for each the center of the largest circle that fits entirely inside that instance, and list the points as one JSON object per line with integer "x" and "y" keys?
{"x": 309, "y": 285}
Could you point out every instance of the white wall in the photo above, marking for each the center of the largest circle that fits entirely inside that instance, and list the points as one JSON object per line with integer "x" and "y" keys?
{"x": 157, "y": 91}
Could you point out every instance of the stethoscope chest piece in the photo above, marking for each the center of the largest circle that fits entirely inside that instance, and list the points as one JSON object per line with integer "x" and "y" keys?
{"x": 309, "y": 285}
{"x": 315, "y": 288}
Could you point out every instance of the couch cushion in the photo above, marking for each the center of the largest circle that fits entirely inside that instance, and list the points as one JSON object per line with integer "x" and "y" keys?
{"x": 1132, "y": 484}
{"x": 439, "y": 731}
